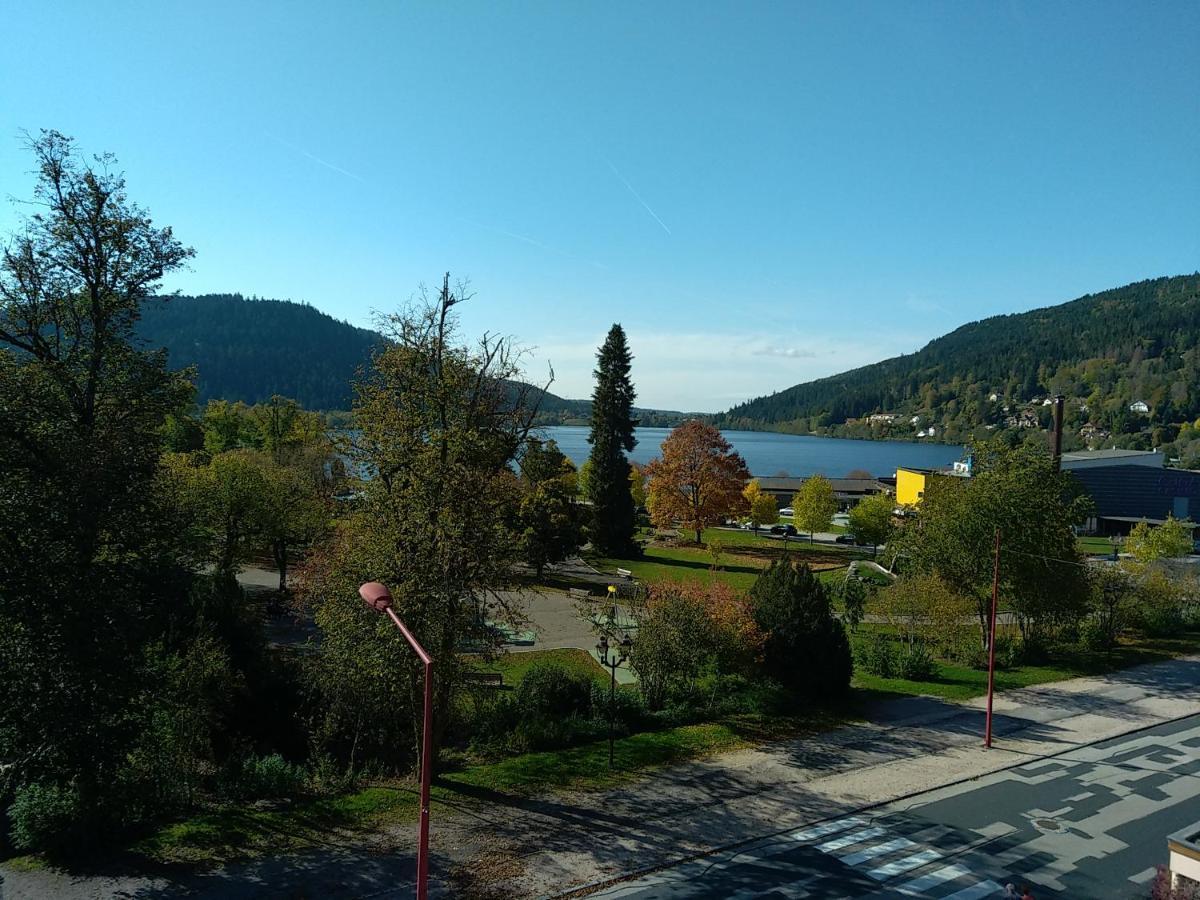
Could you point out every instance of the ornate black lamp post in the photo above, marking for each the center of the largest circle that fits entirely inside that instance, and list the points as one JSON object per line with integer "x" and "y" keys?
{"x": 612, "y": 655}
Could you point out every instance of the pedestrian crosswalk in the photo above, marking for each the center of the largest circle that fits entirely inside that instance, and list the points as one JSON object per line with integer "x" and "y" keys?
{"x": 853, "y": 856}
{"x": 902, "y": 866}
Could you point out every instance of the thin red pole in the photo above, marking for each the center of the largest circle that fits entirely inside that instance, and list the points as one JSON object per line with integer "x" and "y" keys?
{"x": 426, "y": 759}
{"x": 426, "y": 775}
{"x": 987, "y": 739}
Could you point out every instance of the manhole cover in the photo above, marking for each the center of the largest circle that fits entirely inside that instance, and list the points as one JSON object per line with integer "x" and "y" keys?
{"x": 1047, "y": 825}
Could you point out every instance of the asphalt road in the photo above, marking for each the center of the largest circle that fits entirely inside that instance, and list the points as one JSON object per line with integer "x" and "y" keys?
{"x": 1091, "y": 823}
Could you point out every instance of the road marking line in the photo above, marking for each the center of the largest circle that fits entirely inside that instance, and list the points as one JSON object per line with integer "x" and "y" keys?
{"x": 975, "y": 891}
{"x": 1143, "y": 876}
{"x": 933, "y": 879}
{"x": 878, "y": 850}
{"x": 828, "y": 828}
{"x": 900, "y": 866}
{"x": 846, "y": 840}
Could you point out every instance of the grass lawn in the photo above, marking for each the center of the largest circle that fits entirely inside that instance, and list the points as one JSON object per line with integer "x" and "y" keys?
{"x": 686, "y": 563}
{"x": 514, "y": 664}
{"x": 1094, "y": 546}
{"x": 744, "y": 556}
{"x": 955, "y": 682}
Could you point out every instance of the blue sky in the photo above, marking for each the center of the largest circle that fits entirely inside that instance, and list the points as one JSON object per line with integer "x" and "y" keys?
{"x": 760, "y": 193}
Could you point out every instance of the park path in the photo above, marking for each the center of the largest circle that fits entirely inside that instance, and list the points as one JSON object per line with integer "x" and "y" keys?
{"x": 492, "y": 844}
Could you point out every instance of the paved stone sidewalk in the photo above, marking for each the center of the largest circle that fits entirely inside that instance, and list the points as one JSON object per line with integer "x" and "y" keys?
{"x": 509, "y": 846}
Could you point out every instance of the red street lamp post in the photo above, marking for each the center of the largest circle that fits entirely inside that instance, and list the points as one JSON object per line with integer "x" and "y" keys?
{"x": 987, "y": 736}
{"x": 379, "y": 598}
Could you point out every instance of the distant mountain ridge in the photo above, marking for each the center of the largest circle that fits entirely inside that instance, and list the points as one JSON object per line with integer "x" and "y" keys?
{"x": 1109, "y": 352}
{"x": 246, "y": 348}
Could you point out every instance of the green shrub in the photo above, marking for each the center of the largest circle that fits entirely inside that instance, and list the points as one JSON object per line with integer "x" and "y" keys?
{"x": 1009, "y": 652}
{"x": 915, "y": 662}
{"x": 1161, "y": 621}
{"x": 968, "y": 651}
{"x": 806, "y": 648}
{"x": 1094, "y": 636}
{"x": 877, "y": 656}
{"x": 686, "y": 630}
{"x": 263, "y": 778}
{"x": 551, "y": 690}
{"x": 628, "y": 706}
{"x": 1161, "y": 599}
{"x": 46, "y": 817}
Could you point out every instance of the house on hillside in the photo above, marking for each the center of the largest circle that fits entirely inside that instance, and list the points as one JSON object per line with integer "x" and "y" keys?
{"x": 881, "y": 418}
{"x": 1093, "y": 434}
{"x": 1139, "y": 406}
{"x": 1026, "y": 418}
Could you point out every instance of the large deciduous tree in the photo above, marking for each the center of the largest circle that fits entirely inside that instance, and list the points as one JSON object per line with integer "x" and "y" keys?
{"x": 698, "y": 480}
{"x": 548, "y": 517}
{"x": 761, "y": 505}
{"x": 1148, "y": 543}
{"x": 814, "y": 504}
{"x": 86, "y": 566}
{"x": 871, "y": 520}
{"x": 439, "y": 431}
{"x": 613, "y": 518}
{"x": 1020, "y": 492}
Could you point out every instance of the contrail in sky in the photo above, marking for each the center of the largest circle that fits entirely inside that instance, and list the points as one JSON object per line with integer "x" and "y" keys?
{"x": 528, "y": 240}
{"x": 637, "y": 196}
{"x": 315, "y": 159}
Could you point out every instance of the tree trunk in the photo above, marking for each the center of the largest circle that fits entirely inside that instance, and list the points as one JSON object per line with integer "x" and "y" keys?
{"x": 697, "y": 535}
{"x": 281, "y": 563}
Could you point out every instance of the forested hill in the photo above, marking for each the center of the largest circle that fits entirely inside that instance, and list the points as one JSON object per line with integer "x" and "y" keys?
{"x": 248, "y": 349}
{"x": 1104, "y": 351}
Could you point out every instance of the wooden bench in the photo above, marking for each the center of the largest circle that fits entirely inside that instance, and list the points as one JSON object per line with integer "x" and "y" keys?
{"x": 579, "y": 593}
{"x": 625, "y": 573}
{"x": 492, "y": 679}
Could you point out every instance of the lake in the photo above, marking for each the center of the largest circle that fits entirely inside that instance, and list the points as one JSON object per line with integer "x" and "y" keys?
{"x": 768, "y": 453}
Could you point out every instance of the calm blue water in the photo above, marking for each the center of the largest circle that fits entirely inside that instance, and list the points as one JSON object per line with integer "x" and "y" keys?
{"x": 767, "y": 453}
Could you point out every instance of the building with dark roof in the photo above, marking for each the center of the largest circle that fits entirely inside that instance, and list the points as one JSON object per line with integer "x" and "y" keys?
{"x": 1129, "y": 486}
{"x": 848, "y": 491}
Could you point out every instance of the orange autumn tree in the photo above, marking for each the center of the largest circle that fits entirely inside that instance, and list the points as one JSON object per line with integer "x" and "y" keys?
{"x": 697, "y": 481}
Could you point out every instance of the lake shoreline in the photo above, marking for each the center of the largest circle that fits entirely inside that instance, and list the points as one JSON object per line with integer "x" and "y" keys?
{"x": 781, "y": 454}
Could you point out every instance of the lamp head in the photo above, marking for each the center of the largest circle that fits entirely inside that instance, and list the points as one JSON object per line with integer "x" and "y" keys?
{"x": 626, "y": 647}
{"x": 376, "y": 596}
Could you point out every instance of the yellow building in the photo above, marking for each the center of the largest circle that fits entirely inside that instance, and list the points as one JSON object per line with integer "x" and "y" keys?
{"x": 910, "y": 486}
{"x": 911, "y": 483}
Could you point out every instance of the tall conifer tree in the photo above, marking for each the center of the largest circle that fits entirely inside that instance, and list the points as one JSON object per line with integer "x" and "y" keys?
{"x": 613, "y": 514}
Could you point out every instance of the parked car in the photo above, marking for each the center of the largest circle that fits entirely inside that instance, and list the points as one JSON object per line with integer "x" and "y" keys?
{"x": 845, "y": 538}
{"x": 787, "y": 511}
{"x": 789, "y": 530}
